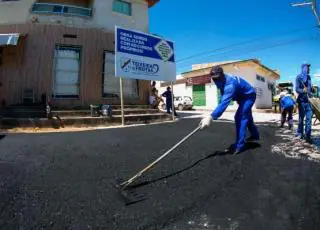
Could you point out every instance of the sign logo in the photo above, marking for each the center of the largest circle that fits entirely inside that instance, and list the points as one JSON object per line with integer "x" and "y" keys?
{"x": 164, "y": 50}
{"x": 138, "y": 67}
{"x": 139, "y": 55}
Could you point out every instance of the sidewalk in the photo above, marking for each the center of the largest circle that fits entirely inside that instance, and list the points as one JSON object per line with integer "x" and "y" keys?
{"x": 234, "y": 109}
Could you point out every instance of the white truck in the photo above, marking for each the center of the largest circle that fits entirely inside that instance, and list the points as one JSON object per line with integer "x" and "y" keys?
{"x": 180, "y": 103}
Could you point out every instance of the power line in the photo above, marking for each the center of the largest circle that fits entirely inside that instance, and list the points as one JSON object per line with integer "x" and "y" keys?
{"x": 268, "y": 47}
{"x": 241, "y": 43}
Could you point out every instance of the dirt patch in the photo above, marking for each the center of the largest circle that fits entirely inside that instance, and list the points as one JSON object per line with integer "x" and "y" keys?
{"x": 293, "y": 147}
{"x": 74, "y": 129}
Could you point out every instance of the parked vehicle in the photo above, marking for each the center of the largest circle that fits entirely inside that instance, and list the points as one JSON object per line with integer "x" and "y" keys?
{"x": 181, "y": 103}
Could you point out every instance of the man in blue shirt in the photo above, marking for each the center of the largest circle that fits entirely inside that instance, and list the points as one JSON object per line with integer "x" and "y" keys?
{"x": 304, "y": 91}
{"x": 237, "y": 89}
{"x": 168, "y": 95}
{"x": 287, "y": 104}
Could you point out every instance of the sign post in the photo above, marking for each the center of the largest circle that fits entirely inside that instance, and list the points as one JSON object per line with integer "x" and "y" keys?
{"x": 121, "y": 101}
{"x": 143, "y": 56}
{"x": 172, "y": 98}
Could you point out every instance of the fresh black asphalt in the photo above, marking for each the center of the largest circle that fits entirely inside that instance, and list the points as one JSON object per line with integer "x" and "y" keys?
{"x": 64, "y": 181}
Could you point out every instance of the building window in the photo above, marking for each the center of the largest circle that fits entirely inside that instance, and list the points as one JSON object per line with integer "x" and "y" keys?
{"x": 270, "y": 86}
{"x": 66, "y": 72}
{"x": 51, "y": 8}
{"x": 259, "y": 92}
{"x": 122, "y": 7}
{"x": 260, "y": 78}
{"x": 111, "y": 83}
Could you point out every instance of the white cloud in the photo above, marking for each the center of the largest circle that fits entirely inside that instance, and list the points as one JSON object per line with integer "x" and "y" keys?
{"x": 317, "y": 74}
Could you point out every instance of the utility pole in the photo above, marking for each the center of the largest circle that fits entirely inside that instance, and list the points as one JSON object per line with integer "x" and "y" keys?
{"x": 314, "y": 7}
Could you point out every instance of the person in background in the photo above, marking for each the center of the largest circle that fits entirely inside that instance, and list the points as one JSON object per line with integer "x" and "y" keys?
{"x": 287, "y": 104}
{"x": 168, "y": 95}
{"x": 149, "y": 91}
{"x": 154, "y": 99}
{"x": 304, "y": 91}
{"x": 153, "y": 86}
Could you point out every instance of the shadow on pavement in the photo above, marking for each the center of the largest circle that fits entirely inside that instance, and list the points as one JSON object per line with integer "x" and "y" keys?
{"x": 217, "y": 153}
{"x": 248, "y": 146}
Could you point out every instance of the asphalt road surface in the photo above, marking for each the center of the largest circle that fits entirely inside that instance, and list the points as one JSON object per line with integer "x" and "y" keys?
{"x": 64, "y": 181}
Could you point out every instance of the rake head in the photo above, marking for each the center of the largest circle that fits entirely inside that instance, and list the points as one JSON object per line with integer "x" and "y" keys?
{"x": 128, "y": 195}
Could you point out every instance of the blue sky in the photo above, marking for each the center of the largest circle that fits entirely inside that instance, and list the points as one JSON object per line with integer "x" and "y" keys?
{"x": 203, "y": 25}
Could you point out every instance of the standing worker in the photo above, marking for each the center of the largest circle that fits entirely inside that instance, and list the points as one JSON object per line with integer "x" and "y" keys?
{"x": 237, "y": 89}
{"x": 287, "y": 104}
{"x": 168, "y": 95}
{"x": 304, "y": 91}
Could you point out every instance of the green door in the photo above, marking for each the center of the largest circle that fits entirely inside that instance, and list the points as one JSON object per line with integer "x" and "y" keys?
{"x": 219, "y": 97}
{"x": 199, "y": 95}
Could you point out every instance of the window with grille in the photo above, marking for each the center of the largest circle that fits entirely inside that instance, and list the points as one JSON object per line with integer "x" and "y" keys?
{"x": 122, "y": 7}
{"x": 111, "y": 83}
{"x": 66, "y": 72}
{"x": 260, "y": 78}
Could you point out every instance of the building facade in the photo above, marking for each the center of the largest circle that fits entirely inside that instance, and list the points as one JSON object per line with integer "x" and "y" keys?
{"x": 65, "y": 50}
{"x": 197, "y": 83}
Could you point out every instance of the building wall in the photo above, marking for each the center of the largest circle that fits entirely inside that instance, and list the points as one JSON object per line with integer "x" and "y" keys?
{"x": 211, "y": 97}
{"x": 15, "y": 11}
{"x": 248, "y": 72}
{"x": 103, "y": 17}
{"x": 30, "y": 64}
{"x": 19, "y": 12}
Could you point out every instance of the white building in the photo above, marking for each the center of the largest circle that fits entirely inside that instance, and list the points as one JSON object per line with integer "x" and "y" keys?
{"x": 196, "y": 83}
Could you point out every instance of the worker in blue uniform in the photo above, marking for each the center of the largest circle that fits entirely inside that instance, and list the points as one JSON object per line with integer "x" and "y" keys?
{"x": 168, "y": 95}
{"x": 236, "y": 89}
{"x": 304, "y": 91}
{"x": 287, "y": 104}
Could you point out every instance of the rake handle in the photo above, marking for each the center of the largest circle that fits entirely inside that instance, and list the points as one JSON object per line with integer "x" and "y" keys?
{"x": 131, "y": 180}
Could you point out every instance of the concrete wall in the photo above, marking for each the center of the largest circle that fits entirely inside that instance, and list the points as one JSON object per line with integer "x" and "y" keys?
{"x": 211, "y": 97}
{"x": 15, "y": 12}
{"x": 103, "y": 16}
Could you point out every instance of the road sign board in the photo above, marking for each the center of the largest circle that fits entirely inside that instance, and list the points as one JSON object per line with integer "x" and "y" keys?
{"x": 143, "y": 56}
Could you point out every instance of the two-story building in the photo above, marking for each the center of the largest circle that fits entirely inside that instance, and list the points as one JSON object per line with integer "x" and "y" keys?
{"x": 65, "y": 49}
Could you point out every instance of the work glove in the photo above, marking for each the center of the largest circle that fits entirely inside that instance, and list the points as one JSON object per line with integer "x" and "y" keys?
{"x": 206, "y": 121}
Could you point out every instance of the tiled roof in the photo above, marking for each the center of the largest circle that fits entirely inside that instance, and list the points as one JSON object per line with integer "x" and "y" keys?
{"x": 152, "y": 2}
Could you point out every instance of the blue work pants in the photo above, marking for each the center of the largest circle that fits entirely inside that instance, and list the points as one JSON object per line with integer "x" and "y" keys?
{"x": 244, "y": 120}
{"x": 305, "y": 113}
{"x": 284, "y": 113}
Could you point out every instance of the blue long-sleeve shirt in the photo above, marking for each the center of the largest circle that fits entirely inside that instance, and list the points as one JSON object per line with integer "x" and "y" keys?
{"x": 287, "y": 102}
{"x": 168, "y": 95}
{"x": 233, "y": 88}
{"x": 303, "y": 80}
